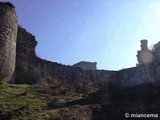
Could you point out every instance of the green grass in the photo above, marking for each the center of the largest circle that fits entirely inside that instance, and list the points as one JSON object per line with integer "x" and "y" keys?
{"x": 18, "y": 101}
{"x": 37, "y": 102}
{"x": 31, "y": 102}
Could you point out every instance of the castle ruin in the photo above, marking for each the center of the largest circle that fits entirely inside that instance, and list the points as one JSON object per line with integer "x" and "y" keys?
{"x": 30, "y": 69}
{"x": 144, "y": 56}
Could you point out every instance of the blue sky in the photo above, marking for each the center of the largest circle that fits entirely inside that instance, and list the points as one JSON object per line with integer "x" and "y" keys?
{"x": 105, "y": 31}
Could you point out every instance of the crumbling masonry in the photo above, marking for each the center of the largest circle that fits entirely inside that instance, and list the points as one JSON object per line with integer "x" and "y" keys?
{"x": 31, "y": 69}
{"x": 8, "y": 37}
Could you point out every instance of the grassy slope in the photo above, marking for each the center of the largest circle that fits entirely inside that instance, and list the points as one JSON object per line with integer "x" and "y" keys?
{"x": 39, "y": 102}
{"x": 31, "y": 102}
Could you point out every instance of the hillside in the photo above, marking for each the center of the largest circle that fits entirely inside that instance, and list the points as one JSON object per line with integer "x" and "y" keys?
{"x": 56, "y": 102}
{"x": 46, "y": 90}
{"x": 40, "y": 102}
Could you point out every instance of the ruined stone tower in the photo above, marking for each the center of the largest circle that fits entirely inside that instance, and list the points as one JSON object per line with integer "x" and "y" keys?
{"x": 8, "y": 36}
{"x": 144, "y": 56}
{"x": 144, "y": 45}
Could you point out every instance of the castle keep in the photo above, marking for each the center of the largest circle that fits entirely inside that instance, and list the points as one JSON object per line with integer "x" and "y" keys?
{"x": 19, "y": 64}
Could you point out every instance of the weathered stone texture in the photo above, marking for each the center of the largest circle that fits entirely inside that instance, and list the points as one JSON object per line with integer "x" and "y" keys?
{"x": 31, "y": 69}
{"x": 144, "y": 56}
{"x": 84, "y": 65}
{"x": 134, "y": 76}
{"x": 26, "y": 64}
{"x": 125, "y": 78}
{"x": 156, "y": 53}
{"x": 8, "y": 36}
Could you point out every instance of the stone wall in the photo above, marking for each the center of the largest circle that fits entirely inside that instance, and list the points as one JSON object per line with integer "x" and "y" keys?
{"x": 134, "y": 76}
{"x": 84, "y": 65}
{"x": 8, "y": 36}
{"x": 31, "y": 69}
{"x": 156, "y": 53}
{"x": 125, "y": 78}
{"x": 26, "y": 62}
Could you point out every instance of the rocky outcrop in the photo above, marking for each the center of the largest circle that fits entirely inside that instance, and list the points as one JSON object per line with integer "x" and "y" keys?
{"x": 84, "y": 65}
{"x": 8, "y": 37}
